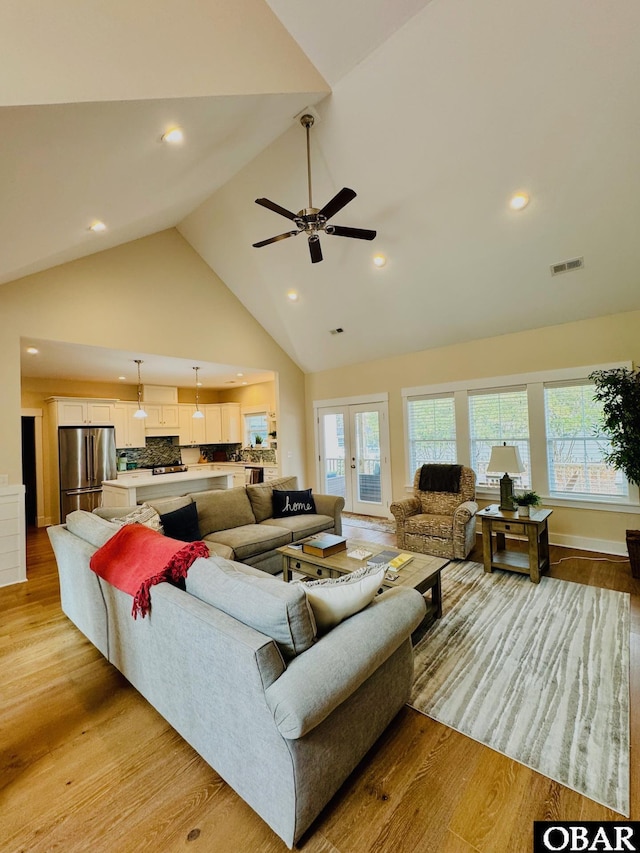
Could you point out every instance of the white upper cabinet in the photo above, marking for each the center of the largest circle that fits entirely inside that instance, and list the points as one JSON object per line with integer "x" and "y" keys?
{"x": 130, "y": 431}
{"x": 231, "y": 429}
{"x": 78, "y": 412}
{"x": 212, "y": 424}
{"x": 159, "y": 415}
{"x": 192, "y": 431}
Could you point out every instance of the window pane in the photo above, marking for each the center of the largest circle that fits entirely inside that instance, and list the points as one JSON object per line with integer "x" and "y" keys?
{"x": 576, "y": 444}
{"x": 255, "y": 425}
{"x": 432, "y": 432}
{"x": 497, "y": 418}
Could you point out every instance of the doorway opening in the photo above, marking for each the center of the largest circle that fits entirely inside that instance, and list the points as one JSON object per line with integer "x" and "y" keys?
{"x": 29, "y": 470}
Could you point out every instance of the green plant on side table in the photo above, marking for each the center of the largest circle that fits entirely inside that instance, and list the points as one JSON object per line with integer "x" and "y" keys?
{"x": 525, "y": 501}
{"x": 619, "y": 392}
{"x": 258, "y": 440}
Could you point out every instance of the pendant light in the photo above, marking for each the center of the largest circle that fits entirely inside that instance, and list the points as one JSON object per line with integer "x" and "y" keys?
{"x": 140, "y": 413}
{"x": 197, "y": 413}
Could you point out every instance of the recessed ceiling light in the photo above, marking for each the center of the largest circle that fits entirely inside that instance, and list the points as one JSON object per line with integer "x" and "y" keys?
{"x": 97, "y": 226}
{"x": 243, "y": 383}
{"x": 519, "y": 201}
{"x": 122, "y": 378}
{"x": 33, "y": 350}
{"x": 292, "y": 295}
{"x": 173, "y": 135}
{"x": 239, "y": 374}
{"x": 379, "y": 260}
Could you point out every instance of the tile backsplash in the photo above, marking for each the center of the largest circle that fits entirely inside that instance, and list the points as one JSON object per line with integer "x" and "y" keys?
{"x": 162, "y": 451}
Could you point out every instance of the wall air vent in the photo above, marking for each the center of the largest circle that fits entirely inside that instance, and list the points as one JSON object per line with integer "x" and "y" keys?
{"x": 336, "y": 331}
{"x": 567, "y": 266}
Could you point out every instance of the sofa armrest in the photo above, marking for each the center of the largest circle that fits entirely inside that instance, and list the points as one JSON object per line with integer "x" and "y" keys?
{"x": 331, "y": 505}
{"x": 405, "y": 508}
{"x": 110, "y": 512}
{"x": 465, "y": 512}
{"x": 321, "y": 678}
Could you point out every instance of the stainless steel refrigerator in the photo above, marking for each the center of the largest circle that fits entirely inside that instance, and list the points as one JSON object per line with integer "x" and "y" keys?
{"x": 87, "y": 457}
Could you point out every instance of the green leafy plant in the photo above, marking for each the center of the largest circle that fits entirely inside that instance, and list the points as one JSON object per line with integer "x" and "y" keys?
{"x": 619, "y": 392}
{"x": 527, "y": 499}
{"x": 258, "y": 440}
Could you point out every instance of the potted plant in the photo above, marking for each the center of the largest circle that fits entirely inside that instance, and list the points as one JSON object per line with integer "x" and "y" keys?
{"x": 525, "y": 501}
{"x": 258, "y": 440}
{"x": 619, "y": 392}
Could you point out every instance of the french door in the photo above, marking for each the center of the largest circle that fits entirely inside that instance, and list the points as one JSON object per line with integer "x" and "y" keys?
{"x": 353, "y": 456}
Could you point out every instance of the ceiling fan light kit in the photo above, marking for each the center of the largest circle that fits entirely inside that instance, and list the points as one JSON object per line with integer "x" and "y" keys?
{"x": 312, "y": 220}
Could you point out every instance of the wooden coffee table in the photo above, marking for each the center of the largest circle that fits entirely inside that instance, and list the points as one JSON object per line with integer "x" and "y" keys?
{"x": 422, "y": 573}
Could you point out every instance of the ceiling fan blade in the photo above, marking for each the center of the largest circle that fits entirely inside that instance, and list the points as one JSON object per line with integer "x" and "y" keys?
{"x": 337, "y": 203}
{"x": 274, "y": 239}
{"x": 358, "y": 233}
{"x": 271, "y": 205}
{"x": 315, "y": 250}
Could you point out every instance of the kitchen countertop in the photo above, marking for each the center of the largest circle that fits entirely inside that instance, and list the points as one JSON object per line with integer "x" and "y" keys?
{"x": 136, "y": 479}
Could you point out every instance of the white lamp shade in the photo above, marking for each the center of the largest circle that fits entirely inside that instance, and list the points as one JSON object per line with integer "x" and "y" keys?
{"x": 140, "y": 413}
{"x": 197, "y": 414}
{"x": 505, "y": 459}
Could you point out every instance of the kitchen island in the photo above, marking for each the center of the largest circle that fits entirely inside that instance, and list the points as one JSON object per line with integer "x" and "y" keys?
{"x": 134, "y": 488}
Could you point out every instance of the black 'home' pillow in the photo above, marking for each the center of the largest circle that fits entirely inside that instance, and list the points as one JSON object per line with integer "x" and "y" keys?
{"x": 287, "y": 503}
{"x": 182, "y": 524}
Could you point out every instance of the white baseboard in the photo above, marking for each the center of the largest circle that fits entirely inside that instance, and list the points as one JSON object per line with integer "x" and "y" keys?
{"x": 602, "y": 546}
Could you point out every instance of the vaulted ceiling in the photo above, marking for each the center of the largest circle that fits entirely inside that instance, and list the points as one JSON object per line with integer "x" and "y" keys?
{"x": 435, "y": 113}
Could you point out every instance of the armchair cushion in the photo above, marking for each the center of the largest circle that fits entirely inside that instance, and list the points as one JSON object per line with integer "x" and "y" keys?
{"x": 430, "y": 525}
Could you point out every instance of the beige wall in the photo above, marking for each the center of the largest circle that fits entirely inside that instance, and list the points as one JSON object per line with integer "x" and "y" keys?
{"x": 81, "y": 302}
{"x": 599, "y": 341}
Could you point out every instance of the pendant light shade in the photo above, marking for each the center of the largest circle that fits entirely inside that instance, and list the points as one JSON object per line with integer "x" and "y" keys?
{"x": 140, "y": 412}
{"x": 197, "y": 413}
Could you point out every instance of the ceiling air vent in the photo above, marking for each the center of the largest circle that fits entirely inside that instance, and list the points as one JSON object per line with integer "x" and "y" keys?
{"x": 567, "y": 266}
{"x": 336, "y": 331}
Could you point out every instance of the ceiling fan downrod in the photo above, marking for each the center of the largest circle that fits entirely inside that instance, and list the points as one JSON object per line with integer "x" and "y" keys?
{"x": 307, "y": 121}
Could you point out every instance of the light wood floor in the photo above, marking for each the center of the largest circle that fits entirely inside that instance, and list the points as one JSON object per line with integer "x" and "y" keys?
{"x": 87, "y": 765}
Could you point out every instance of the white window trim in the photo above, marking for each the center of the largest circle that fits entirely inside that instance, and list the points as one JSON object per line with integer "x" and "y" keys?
{"x": 534, "y": 383}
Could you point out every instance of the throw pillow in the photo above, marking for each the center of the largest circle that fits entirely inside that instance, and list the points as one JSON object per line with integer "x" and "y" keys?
{"x": 143, "y": 514}
{"x": 182, "y": 524}
{"x": 334, "y": 599}
{"x": 289, "y": 502}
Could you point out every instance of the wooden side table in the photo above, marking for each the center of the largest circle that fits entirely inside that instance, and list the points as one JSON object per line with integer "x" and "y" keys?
{"x": 535, "y": 528}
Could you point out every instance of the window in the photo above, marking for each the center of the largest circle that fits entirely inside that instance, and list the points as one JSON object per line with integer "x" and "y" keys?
{"x": 496, "y": 417}
{"x": 432, "y": 431}
{"x": 576, "y": 445}
{"x": 255, "y": 425}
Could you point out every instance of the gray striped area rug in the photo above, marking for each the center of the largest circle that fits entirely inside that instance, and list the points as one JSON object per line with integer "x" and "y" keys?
{"x": 538, "y": 672}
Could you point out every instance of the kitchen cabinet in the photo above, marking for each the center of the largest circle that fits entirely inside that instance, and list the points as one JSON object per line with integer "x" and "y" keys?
{"x": 78, "y": 412}
{"x": 130, "y": 431}
{"x": 162, "y": 416}
{"x": 231, "y": 431}
{"x": 191, "y": 431}
{"x": 222, "y": 423}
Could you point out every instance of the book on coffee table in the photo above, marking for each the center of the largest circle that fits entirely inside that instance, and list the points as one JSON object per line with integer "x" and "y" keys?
{"x": 393, "y": 559}
{"x": 324, "y": 545}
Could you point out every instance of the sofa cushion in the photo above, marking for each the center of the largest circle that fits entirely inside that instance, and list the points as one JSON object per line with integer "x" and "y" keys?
{"x": 251, "y": 539}
{"x": 268, "y": 605}
{"x": 261, "y": 495}
{"x": 334, "y": 599}
{"x": 162, "y": 505}
{"x": 290, "y": 502}
{"x": 430, "y": 525}
{"x": 93, "y": 529}
{"x": 221, "y": 509}
{"x": 301, "y": 526}
{"x": 182, "y": 523}
{"x": 142, "y": 514}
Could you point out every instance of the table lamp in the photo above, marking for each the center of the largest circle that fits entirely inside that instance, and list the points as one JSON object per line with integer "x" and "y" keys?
{"x": 505, "y": 458}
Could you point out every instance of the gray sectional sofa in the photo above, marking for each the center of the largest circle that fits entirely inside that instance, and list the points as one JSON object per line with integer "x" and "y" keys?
{"x": 235, "y": 665}
{"x": 238, "y": 523}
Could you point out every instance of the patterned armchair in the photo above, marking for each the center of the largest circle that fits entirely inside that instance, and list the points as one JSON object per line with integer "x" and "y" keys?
{"x": 441, "y": 523}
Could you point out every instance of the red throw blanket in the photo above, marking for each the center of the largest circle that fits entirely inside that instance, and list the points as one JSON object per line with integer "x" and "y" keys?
{"x": 136, "y": 558}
